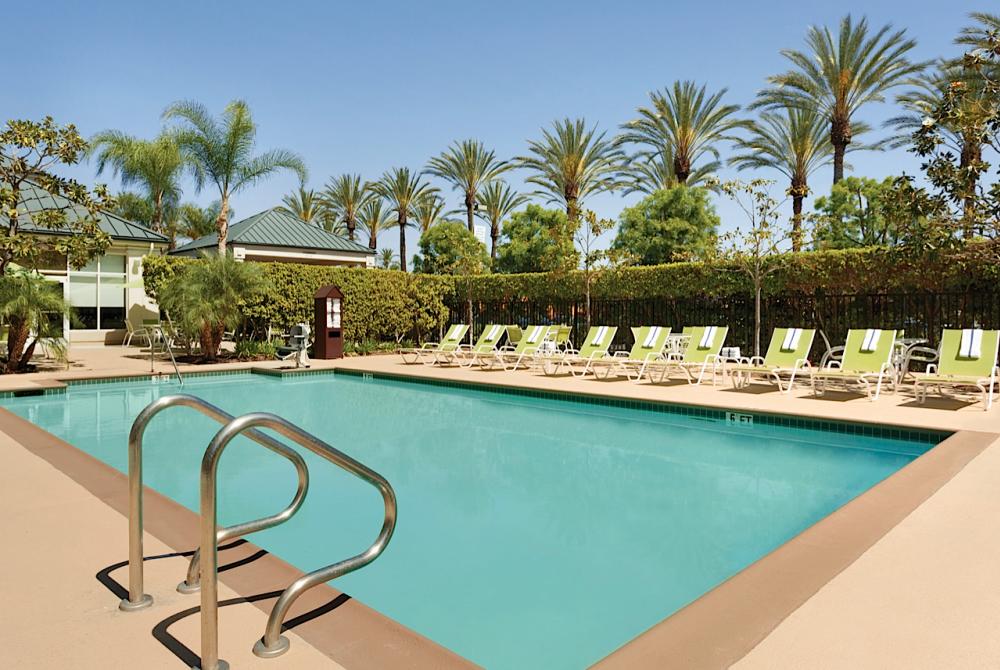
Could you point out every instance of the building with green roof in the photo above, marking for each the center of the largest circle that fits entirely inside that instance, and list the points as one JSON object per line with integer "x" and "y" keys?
{"x": 109, "y": 289}
{"x": 277, "y": 236}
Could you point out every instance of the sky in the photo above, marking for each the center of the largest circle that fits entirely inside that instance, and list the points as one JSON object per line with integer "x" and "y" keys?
{"x": 367, "y": 86}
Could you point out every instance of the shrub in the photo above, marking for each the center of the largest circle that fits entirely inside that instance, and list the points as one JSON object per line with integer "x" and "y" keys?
{"x": 255, "y": 350}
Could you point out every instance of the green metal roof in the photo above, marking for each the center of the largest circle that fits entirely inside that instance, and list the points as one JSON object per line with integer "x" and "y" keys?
{"x": 35, "y": 199}
{"x": 276, "y": 228}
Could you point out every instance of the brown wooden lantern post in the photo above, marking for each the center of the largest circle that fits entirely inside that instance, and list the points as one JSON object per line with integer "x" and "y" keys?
{"x": 328, "y": 339}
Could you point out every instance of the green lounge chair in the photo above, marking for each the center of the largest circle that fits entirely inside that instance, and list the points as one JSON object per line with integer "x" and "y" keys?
{"x": 701, "y": 353}
{"x": 867, "y": 358}
{"x": 511, "y": 357}
{"x": 787, "y": 356}
{"x": 650, "y": 342}
{"x": 431, "y": 352}
{"x": 967, "y": 358}
{"x": 485, "y": 347}
{"x": 595, "y": 347}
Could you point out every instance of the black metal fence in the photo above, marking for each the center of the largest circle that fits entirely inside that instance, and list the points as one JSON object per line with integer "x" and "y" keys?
{"x": 920, "y": 315}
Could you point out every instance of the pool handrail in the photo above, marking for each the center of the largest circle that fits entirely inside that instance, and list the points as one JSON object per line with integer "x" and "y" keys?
{"x": 272, "y": 643}
{"x": 137, "y": 599}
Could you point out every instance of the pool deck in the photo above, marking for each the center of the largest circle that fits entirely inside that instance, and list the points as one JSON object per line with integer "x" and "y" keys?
{"x": 904, "y": 576}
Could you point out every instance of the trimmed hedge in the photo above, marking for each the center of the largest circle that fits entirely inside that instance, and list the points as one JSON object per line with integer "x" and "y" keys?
{"x": 381, "y": 305}
{"x": 388, "y": 305}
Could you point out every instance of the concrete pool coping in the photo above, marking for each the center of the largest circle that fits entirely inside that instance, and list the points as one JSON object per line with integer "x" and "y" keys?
{"x": 360, "y": 637}
{"x": 728, "y": 622}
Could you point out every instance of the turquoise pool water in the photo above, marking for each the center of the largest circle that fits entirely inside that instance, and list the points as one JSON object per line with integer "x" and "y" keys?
{"x": 533, "y": 533}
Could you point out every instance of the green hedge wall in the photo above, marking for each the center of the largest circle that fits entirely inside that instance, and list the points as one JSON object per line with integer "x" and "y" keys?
{"x": 389, "y": 305}
{"x": 381, "y": 305}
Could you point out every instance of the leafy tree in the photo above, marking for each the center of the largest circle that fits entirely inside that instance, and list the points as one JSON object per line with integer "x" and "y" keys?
{"x": 135, "y": 207}
{"x": 595, "y": 261}
{"x": 684, "y": 124}
{"x": 754, "y": 250}
{"x": 29, "y": 150}
{"x": 221, "y": 151}
{"x": 402, "y": 190}
{"x": 571, "y": 163}
{"x": 205, "y": 299}
{"x": 669, "y": 225}
{"x": 796, "y": 143}
{"x": 537, "y": 240}
{"x": 373, "y": 218}
{"x": 840, "y": 75}
{"x": 498, "y": 202}
{"x": 306, "y": 204}
{"x": 857, "y": 213}
{"x": 970, "y": 107}
{"x": 27, "y": 303}
{"x": 156, "y": 166}
{"x": 468, "y": 167}
{"x": 450, "y": 248}
{"x": 346, "y": 196}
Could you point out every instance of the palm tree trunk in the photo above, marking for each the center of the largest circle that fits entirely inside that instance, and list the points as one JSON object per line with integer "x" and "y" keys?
{"x": 158, "y": 212}
{"x": 682, "y": 169}
{"x": 402, "y": 242}
{"x": 797, "y": 222}
{"x": 222, "y": 224}
{"x": 17, "y": 335}
{"x": 494, "y": 236}
{"x": 351, "y": 225}
{"x": 572, "y": 207}
{"x": 470, "y": 210}
{"x": 372, "y": 242}
{"x": 840, "y": 137}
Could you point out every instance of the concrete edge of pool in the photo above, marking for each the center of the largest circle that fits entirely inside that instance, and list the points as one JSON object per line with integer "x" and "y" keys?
{"x": 713, "y": 631}
{"x": 361, "y": 636}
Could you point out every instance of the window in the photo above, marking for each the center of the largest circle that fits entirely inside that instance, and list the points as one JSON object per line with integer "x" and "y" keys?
{"x": 97, "y": 292}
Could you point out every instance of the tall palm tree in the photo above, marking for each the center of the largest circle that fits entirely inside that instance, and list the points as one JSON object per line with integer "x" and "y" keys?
{"x": 467, "y": 166}
{"x": 402, "y": 190}
{"x": 572, "y": 162}
{"x": 839, "y": 75}
{"x": 965, "y": 133}
{"x": 221, "y": 151}
{"x": 346, "y": 195}
{"x": 795, "y": 142}
{"x": 683, "y": 123}
{"x": 387, "y": 259}
{"x": 429, "y": 211}
{"x": 373, "y": 218}
{"x": 156, "y": 166}
{"x": 306, "y": 204}
{"x": 498, "y": 202}
{"x": 650, "y": 173}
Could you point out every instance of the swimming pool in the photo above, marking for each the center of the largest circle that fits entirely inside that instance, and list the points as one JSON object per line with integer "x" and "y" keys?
{"x": 533, "y": 532}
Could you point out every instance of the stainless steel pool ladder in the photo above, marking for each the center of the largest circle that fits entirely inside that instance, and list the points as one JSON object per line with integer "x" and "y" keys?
{"x": 205, "y": 560}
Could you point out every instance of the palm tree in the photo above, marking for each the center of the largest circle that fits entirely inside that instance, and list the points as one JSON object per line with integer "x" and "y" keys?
{"x": 683, "y": 123}
{"x": 498, "y": 202}
{"x": 194, "y": 221}
{"x": 387, "y": 259}
{"x": 795, "y": 143}
{"x": 27, "y": 301}
{"x": 221, "y": 151}
{"x": 840, "y": 75}
{"x": 402, "y": 190}
{"x": 373, "y": 218}
{"x": 965, "y": 133}
{"x": 571, "y": 162}
{"x": 650, "y": 173}
{"x": 156, "y": 166}
{"x": 305, "y": 204}
{"x": 467, "y": 166}
{"x": 346, "y": 195}
{"x": 429, "y": 211}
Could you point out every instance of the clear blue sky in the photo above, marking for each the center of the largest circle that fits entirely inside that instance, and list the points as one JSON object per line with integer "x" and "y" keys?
{"x": 365, "y": 86}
